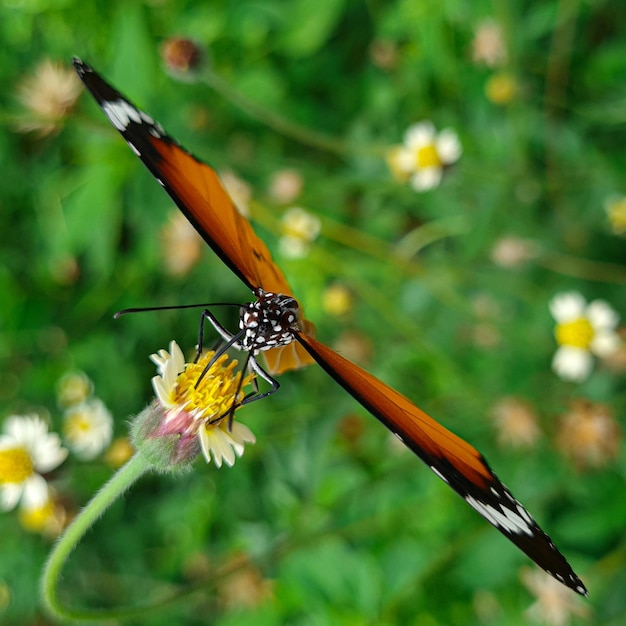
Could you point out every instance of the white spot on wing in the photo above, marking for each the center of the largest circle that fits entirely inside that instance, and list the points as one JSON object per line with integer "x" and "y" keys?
{"x": 134, "y": 149}
{"x": 505, "y": 518}
{"x": 121, "y": 113}
{"x": 445, "y": 480}
{"x": 525, "y": 514}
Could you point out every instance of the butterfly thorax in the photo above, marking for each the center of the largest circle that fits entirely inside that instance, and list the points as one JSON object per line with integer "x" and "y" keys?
{"x": 270, "y": 321}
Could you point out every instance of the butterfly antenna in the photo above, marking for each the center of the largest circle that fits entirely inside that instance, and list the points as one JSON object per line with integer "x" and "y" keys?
{"x": 174, "y": 307}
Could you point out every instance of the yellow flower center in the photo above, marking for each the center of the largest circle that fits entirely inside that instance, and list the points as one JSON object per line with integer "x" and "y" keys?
{"x": 76, "y": 425}
{"x": 218, "y": 390}
{"x": 15, "y": 465}
{"x": 427, "y": 156}
{"x": 577, "y": 333}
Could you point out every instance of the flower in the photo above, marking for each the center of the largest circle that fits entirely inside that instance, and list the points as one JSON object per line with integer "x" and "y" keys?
{"x": 245, "y": 587}
{"x": 239, "y": 191}
{"x": 47, "y": 519}
{"x": 616, "y": 212}
{"x": 501, "y": 88}
{"x": 88, "y": 428}
{"x": 424, "y": 155}
{"x": 182, "y": 245}
{"x": 286, "y": 185}
{"x": 555, "y": 604}
{"x": 488, "y": 44}
{"x": 588, "y": 435}
{"x": 299, "y": 228}
{"x": 513, "y": 251}
{"x": 337, "y": 300}
{"x": 27, "y": 450}
{"x": 48, "y": 95}
{"x": 182, "y": 57}
{"x": 198, "y": 407}
{"x": 582, "y": 330}
{"x": 120, "y": 451}
{"x": 73, "y": 388}
{"x": 516, "y": 423}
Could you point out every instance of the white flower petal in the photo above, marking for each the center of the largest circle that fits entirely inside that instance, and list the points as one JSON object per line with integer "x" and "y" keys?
{"x": 35, "y": 492}
{"x": 177, "y": 356}
{"x": 426, "y": 178}
{"x": 25, "y": 428}
{"x": 215, "y": 444}
{"x": 48, "y": 453}
{"x": 162, "y": 394}
{"x": 405, "y": 160}
{"x": 566, "y": 307}
{"x": 572, "y": 363}
{"x": 9, "y": 495}
{"x": 159, "y": 359}
{"x": 418, "y": 135}
{"x": 605, "y": 343}
{"x": 601, "y": 315}
{"x": 222, "y": 449}
{"x": 448, "y": 146}
{"x": 170, "y": 374}
{"x": 219, "y": 444}
{"x": 242, "y": 434}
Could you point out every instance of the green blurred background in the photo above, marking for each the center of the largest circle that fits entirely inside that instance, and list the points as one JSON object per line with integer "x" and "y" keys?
{"x": 367, "y": 534}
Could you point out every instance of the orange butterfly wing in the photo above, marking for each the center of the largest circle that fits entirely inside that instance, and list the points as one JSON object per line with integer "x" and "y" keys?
{"x": 197, "y": 191}
{"x": 454, "y": 460}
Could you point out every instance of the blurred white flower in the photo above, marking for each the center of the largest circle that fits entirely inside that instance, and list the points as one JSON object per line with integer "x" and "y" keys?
{"x": 239, "y": 191}
{"x": 88, "y": 428}
{"x": 513, "y": 251}
{"x": 48, "y": 95}
{"x": 73, "y": 388}
{"x": 488, "y": 44}
{"x": 27, "y": 450}
{"x": 299, "y": 228}
{"x": 424, "y": 155}
{"x": 589, "y": 435}
{"x": 516, "y": 423}
{"x": 182, "y": 245}
{"x": 286, "y": 185}
{"x": 555, "y": 604}
{"x": 582, "y": 330}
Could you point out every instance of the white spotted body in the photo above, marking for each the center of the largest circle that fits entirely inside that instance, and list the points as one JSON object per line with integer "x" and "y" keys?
{"x": 269, "y": 322}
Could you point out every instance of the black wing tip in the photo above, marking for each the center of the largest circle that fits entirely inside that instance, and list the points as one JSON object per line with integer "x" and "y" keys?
{"x": 578, "y": 586}
{"x": 81, "y": 67}
{"x": 572, "y": 581}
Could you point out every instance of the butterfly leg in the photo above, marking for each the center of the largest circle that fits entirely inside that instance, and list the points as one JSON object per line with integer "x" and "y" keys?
{"x": 259, "y": 371}
{"x": 251, "y": 363}
{"x": 225, "y": 334}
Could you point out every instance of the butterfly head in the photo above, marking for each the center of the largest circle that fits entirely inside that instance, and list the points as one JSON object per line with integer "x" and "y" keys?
{"x": 271, "y": 321}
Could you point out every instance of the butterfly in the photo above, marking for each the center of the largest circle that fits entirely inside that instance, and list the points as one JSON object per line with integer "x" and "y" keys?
{"x": 274, "y": 325}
